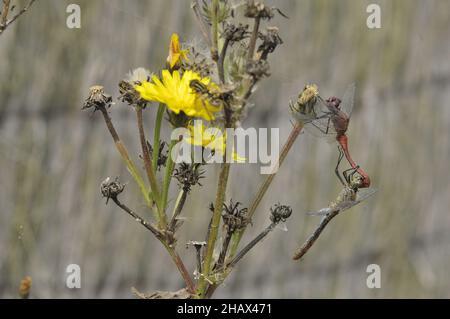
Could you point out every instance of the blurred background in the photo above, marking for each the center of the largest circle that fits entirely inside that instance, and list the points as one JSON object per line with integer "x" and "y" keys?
{"x": 53, "y": 156}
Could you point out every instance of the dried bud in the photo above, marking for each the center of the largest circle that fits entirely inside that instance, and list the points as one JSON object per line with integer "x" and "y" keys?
{"x": 25, "y": 287}
{"x": 234, "y": 33}
{"x": 234, "y": 218}
{"x": 97, "y": 98}
{"x": 258, "y": 69}
{"x": 198, "y": 63}
{"x": 270, "y": 40}
{"x": 279, "y": 213}
{"x": 128, "y": 94}
{"x": 188, "y": 175}
{"x": 259, "y": 10}
{"x": 111, "y": 189}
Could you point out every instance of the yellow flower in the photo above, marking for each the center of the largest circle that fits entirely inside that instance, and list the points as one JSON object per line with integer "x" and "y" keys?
{"x": 176, "y": 55}
{"x": 175, "y": 91}
{"x": 212, "y": 138}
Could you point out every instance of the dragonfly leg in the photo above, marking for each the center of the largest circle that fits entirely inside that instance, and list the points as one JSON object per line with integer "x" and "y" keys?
{"x": 336, "y": 170}
{"x": 348, "y": 174}
{"x": 319, "y": 128}
{"x": 328, "y": 125}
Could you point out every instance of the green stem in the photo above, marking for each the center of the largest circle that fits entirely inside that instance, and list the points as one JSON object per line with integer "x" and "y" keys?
{"x": 148, "y": 168}
{"x": 157, "y": 134}
{"x": 126, "y": 158}
{"x": 214, "y": 229}
{"x": 179, "y": 204}
{"x": 170, "y": 165}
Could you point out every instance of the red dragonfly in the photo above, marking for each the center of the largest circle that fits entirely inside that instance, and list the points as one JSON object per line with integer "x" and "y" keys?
{"x": 329, "y": 117}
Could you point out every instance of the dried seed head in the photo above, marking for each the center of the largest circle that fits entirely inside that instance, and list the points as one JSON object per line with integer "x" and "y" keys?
{"x": 270, "y": 41}
{"x": 234, "y": 33}
{"x": 256, "y": 9}
{"x": 258, "y": 69}
{"x": 234, "y": 218}
{"x": 111, "y": 189}
{"x": 25, "y": 287}
{"x": 279, "y": 213}
{"x": 198, "y": 63}
{"x": 97, "y": 98}
{"x": 188, "y": 175}
{"x": 128, "y": 94}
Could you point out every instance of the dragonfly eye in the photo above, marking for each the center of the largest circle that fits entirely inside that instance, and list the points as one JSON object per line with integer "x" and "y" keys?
{"x": 334, "y": 101}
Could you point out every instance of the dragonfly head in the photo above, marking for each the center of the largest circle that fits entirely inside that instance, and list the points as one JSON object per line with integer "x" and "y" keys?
{"x": 357, "y": 181}
{"x": 334, "y": 101}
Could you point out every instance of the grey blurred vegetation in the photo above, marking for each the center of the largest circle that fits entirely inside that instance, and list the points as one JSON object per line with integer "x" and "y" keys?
{"x": 53, "y": 156}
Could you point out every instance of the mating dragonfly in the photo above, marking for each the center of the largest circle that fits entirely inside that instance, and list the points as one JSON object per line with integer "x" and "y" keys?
{"x": 329, "y": 117}
{"x": 350, "y": 196}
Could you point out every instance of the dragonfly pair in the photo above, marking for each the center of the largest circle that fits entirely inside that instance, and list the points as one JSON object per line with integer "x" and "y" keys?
{"x": 329, "y": 117}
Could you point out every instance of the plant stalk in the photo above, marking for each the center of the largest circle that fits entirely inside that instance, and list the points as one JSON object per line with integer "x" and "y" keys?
{"x": 126, "y": 158}
{"x": 148, "y": 168}
{"x": 296, "y": 130}
{"x": 157, "y": 135}
{"x": 170, "y": 165}
{"x": 214, "y": 228}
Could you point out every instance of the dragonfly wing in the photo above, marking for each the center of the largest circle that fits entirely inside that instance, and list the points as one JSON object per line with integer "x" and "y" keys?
{"x": 348, "y": 100}
{"x": 320, "y": 125}
{"x": 282, "y": 227}
{"x": 321, "y": 212}
{"x": 361, "y": 196}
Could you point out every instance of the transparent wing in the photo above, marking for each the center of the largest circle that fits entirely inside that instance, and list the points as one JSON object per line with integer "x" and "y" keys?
{"x": 282, "y": 227}
{"x": 320, "y": 124}
{"x": 321, "y": 212}
{"x": 361, "y": 196}
{"x": 348, "y": 100}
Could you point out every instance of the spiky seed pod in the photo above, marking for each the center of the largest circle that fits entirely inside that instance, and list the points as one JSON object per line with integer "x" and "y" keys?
{"x": 270, "y": 41}
{"x": 279, "y": 213}
{"x": 256, "y": 9}
{"x": 234, "y": 218}
{"x": 258, "y": 69}
{"x": 188, "y": 175}
{"x": 97, "y": 98}
{"x": 234, "y": 33}
{"x": 111, "y": 189}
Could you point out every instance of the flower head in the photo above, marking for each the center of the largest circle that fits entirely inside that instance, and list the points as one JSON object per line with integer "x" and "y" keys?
{"x": 212, "y": 138}
{"x": 303, "y": 109}
{"x": 176, "y": 54}
{"x": 311, "y": 92}
{"x": 176, "y": 92}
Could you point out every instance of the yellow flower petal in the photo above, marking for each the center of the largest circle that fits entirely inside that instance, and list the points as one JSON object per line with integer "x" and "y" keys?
{"x": 176, "y": 55}
{"x": 174, "y": 90}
